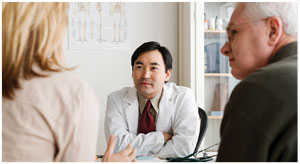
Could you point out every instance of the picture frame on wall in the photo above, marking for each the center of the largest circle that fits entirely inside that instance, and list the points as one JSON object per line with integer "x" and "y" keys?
{"x": 98, "y": 25}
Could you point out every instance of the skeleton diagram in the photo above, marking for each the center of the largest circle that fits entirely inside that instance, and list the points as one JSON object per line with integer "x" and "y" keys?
{"x": 99, "y": 9}
{"x": 117, "y": 13}
{"x": 83, "y": 13}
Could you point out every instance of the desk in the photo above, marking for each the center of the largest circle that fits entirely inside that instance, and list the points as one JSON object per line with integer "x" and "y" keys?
{"x": 156, "y": 159}
{"x": 149, "y": 159}
{"x": 143, "y": 159}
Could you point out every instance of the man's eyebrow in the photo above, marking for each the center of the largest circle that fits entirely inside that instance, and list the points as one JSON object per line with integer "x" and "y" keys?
{"x": 227, "y": 29}
{"x": 229, "y": 26}
{"x": 154, "y": 63}
{"x": 138, "y": 62}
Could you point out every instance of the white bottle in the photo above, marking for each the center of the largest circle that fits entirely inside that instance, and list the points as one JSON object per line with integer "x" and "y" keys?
{"x": 219, "y": 24}
{"x": 211, "y": 24}
{"x": 205, "y": 24}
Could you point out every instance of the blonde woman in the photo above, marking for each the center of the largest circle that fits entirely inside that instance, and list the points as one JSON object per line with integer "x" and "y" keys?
{"x": 48, "y": 113}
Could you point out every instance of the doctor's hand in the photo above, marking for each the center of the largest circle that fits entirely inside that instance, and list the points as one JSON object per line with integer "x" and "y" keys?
{"x": 126, "y": 155}
{"x": 167, "y": 136}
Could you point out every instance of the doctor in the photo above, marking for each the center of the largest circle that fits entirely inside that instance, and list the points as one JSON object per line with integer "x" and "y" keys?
{"x": 156, "y": 117}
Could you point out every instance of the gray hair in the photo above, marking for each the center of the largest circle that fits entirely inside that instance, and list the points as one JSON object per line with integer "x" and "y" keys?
{"x": 287, "y": 11}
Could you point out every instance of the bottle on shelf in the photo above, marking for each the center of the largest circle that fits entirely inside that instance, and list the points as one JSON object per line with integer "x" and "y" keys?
{"x": 212, "y": 24}
{"x": 215, "y": 62}
{"x": 205, "y": 22}
{"x": 219, "y": 24}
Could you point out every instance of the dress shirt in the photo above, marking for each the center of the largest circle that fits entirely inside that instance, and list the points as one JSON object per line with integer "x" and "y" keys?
{"x": 154, "y": 110}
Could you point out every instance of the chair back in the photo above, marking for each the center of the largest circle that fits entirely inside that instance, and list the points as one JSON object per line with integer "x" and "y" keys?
{"x": 203, "y": 127}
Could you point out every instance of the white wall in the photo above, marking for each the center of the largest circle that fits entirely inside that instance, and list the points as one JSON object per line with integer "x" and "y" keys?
{"x": 108, "y": 71}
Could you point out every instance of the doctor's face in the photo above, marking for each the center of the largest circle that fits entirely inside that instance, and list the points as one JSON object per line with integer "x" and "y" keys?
{"x": 149, "y": 74}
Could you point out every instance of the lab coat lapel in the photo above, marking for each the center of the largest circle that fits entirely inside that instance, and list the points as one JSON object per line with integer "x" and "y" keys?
{"x": 166, "y": 108}
{"x": 131, "y": 109}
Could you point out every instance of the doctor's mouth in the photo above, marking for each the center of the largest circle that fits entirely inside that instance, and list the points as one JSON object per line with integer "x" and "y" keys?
{"x": 145, "y": 83}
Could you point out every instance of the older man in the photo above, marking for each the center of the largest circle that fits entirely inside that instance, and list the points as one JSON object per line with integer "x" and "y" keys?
{"x": 260, "y": 121}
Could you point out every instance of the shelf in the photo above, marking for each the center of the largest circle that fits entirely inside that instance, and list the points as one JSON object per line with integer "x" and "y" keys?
{"x": 215, "y": 31}
{"x": 215, "y": 117}
{"x": 213, "y": 35}
{"x": 217, "y": 74}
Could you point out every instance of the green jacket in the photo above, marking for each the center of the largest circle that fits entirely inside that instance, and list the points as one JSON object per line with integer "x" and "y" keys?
{"x": 260, "y": 120}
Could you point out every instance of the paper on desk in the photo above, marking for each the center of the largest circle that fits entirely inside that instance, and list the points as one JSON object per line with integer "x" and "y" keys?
{"x": 148, "y": 159}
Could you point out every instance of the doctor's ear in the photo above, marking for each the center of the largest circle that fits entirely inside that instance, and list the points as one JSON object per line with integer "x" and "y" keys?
{"x": 168, "y": 75}
{"x": 275, "y": 30}
{"x": 132, "y": 73}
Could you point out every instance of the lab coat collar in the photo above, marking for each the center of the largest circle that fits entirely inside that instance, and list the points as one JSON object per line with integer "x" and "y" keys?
{"x": 132, "y": 107}
{"x": 131, "y": 96}
{"x": 169, "y": 93}
{"x": 166, "y": 106}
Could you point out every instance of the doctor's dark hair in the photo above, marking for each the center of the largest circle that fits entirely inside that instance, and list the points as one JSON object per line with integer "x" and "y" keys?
{"x": 151, "y": 46}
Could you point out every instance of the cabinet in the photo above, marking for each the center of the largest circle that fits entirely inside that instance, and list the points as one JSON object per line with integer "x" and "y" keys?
{"x": 195, "y": 71}
{"x": 218, "y": 81}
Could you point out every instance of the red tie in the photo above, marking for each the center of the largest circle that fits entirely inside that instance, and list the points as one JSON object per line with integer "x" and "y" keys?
{"x": 147, "y": 123}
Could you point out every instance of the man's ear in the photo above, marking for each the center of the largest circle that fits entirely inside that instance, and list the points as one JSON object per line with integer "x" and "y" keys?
{"x": 132, "y": 73}
{"x": 168, "y": 75}
{"x": 275, "y": 30}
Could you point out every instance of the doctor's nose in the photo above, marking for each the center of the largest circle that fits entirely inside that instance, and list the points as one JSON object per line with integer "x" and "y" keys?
{"x": 225, "y": 50}
{"x": 146, "y": 74}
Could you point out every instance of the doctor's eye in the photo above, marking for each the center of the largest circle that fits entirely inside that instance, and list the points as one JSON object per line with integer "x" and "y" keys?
{"x": 138, "y": 67}
{"x": 154, "y": 68}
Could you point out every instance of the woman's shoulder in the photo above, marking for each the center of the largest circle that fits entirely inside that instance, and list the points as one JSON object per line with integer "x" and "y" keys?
{"x": 63, "y": 81}
{"x": 55, "y": 88}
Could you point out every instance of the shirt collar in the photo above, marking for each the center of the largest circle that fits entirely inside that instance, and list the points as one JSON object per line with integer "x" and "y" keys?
{"x": 154, "y": 101}
{"x": 284, "y": 52}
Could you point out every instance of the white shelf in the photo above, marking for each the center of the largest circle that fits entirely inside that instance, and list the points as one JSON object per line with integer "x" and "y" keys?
{"x": 215, "y": 31}
{"x": 217, "y": 74}
{"x": 213, "y": 35}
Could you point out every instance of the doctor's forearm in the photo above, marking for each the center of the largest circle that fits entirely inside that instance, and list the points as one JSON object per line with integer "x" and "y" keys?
{"x": 144, "y": 143}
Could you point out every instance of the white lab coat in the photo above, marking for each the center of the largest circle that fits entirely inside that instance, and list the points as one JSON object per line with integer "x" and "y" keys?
{"x": 178, "y": 115}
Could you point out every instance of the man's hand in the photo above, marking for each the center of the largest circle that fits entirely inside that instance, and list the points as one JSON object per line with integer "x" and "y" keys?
{"x": 126, "y": 155}
{"x": 167, "y": 136}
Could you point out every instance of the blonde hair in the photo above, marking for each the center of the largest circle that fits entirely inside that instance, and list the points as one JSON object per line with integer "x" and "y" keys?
{"x": 32, "y": 34}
